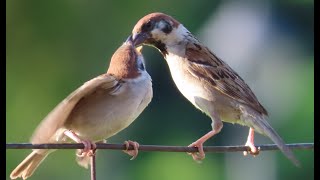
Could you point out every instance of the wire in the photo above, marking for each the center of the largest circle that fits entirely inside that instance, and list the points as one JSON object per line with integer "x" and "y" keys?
{"x": 217, "y": 149}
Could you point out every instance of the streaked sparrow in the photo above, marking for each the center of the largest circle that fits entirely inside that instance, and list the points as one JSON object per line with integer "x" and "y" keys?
{"x": 97, "y": 110}
{"x": 206, "y": 81}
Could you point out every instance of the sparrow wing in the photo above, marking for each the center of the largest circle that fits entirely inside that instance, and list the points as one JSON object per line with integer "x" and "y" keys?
{"x": 208, "y": 67}
{"x": 47, "y": 129}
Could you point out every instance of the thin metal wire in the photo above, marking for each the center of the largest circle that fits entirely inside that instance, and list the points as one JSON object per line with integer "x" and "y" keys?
{"x": 221, "y": 149}
{"x": 93, "y": 167}
{"x": 217, "y": 149}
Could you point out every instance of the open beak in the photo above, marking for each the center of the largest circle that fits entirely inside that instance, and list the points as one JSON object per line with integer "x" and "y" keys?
{"x": 140, "y": 38}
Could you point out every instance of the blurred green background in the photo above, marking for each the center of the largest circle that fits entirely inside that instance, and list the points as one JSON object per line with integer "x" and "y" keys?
{"x": 53, "y": 47}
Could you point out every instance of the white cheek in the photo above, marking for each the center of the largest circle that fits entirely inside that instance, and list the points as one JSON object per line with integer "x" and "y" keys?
{"x": 158, "y": 34}
{"x": 176, "y": 36}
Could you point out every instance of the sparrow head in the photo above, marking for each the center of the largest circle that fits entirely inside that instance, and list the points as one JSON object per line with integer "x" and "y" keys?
{"x": 127, "y": 61}
{"x": 159, "y": 30}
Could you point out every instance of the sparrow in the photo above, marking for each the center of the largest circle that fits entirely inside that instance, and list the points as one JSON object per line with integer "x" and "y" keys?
{"x": 209, "y": 83}
{"x": 97, "y": 110}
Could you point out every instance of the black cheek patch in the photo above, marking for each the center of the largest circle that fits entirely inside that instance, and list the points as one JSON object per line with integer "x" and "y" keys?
{"x": 167, "y": 29}
{"x": 159, "y": 45}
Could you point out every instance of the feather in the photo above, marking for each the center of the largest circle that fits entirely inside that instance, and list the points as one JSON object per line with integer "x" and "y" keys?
{"x": 55, "y": 120}
{"x": 211, "y": 69}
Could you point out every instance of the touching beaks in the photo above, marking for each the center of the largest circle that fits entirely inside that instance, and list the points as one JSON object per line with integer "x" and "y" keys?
{"x": 140, "y": 38}
{"x": 129, "y": 39}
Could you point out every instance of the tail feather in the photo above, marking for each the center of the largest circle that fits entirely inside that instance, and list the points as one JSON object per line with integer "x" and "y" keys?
{"x": 263, "y": 127}
{"x": 26, "y": 168}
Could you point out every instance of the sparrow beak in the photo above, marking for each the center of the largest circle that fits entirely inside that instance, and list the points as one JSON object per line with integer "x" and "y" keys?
{"x": 129, "y": 40}
{"x": 140, "y": 38}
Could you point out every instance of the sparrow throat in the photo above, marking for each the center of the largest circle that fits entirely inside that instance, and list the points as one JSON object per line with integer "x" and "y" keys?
{"x": 159, "y": 45}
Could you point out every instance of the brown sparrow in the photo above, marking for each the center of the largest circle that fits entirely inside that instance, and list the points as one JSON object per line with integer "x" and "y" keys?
{"x": 97, "y": 110}
{"x": 206, "y": 81}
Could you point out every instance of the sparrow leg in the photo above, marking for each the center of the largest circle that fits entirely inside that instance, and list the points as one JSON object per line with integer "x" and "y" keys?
{"x": 134, "y": 152}
{"x": 250, "y": 142}
{"x": 89, "y": 147}
{"x": 200, "y": 155}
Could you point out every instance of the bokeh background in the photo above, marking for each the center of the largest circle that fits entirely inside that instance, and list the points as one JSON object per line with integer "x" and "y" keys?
{"x": 52, "y": 47}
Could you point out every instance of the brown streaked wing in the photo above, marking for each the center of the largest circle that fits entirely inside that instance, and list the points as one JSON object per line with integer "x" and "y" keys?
{"x": 57, "y": 117}
{"x": 208, "y": 67}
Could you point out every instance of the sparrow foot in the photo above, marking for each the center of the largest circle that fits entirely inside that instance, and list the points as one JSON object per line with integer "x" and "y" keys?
{"x": 134, "y": 152}
{"x": 85, "y": 160}
{"x": 89, "y": 147}
{"x": 200, "y": 155}
{"x": 253, "y": 150}
{"x": 250, "y": 142}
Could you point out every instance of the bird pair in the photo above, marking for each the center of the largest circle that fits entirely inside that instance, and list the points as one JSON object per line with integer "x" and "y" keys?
{"x": 107, "y": 104}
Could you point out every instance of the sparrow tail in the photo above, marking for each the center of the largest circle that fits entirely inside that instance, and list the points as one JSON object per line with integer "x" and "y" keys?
{"x": 26, "y": 168}
{"x": 262, "y": 126}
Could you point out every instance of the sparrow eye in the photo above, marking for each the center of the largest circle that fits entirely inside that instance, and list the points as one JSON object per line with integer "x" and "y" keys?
{"x": 148, "y": 26}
